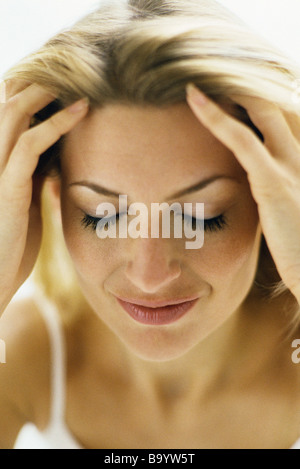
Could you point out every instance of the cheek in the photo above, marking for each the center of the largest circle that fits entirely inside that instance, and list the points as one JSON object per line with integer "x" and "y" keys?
{"x": 230, "y": 256}
{"x": 92, "y": 260}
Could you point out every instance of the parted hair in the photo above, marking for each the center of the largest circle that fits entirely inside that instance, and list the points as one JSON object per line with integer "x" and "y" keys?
{"x": 144, "y": 53}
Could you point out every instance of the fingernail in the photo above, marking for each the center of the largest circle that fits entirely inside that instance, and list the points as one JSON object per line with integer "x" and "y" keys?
{"x": 196, "y": 95}
{"x": 2, "y": 92}
{"x": 79, "y": 106}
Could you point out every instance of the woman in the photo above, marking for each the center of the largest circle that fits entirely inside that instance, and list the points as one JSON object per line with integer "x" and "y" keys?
{"x": 122, "y": 366}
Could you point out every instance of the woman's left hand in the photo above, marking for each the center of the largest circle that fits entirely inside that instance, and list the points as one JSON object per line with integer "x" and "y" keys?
{"x": 273, "y": 170}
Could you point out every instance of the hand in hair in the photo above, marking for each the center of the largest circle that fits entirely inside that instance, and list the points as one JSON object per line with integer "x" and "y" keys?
{"x": 20, "y": 190}
{"x": 273, "y": 170}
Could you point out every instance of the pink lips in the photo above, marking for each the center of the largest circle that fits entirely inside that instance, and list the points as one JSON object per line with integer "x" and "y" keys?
{"x": 160, "y": 313}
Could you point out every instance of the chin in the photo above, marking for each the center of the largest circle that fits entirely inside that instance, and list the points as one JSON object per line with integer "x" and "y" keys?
{"x": 161, "y": 344}
{"x": 161, "y": 355}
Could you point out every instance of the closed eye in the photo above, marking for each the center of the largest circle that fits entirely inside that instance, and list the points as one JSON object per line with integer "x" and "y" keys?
{"x": 210, "y": 225}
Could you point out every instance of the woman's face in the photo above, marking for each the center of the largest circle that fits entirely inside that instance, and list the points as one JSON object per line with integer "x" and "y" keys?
{"x": 149, "y": 154}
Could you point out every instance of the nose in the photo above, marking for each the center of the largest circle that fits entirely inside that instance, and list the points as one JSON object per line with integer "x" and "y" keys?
{"x": 152, "y": 268}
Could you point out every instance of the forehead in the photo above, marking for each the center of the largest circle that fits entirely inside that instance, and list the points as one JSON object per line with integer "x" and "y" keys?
{"x": 149, "y": 142}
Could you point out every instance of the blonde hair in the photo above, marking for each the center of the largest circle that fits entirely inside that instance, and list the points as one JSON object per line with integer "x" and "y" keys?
{"x": 145, "y": 52}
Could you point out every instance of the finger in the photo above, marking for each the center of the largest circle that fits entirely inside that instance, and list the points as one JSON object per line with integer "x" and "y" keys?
{"x": 32, "y": 143}
{"x": 270, "y": 120}
{"x": 9, "y": 88}
{"x": 28, "y": 100}
{"x": 235, "y": 135}
{"x": 16, "y": 114}
{"x": 14, "y": 86}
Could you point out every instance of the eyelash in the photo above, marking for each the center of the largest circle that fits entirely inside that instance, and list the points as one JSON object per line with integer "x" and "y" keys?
{"x": 213, "y": 224}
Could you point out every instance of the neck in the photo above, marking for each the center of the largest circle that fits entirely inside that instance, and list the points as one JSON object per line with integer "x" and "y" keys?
{"x": 195, "y": 372}
{"x": 209, "y": 366}
{"x": 217, "y": 359}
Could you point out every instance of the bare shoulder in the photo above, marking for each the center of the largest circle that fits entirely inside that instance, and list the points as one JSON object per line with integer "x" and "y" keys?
{"x": 24, "y": 378}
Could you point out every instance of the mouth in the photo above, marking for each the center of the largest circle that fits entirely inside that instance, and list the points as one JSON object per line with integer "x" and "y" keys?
{"x": 157, "y": 313}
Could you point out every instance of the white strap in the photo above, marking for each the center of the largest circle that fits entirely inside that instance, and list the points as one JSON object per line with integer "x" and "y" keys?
{"x": 58, "y": 357}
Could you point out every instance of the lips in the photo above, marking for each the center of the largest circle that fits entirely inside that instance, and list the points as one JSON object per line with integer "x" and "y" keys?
{"x": 158, "y": 303}
{"x": 158, "y": 312}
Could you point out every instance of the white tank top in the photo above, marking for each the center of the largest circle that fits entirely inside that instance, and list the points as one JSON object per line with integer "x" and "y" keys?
{"x": 57, "y": 435}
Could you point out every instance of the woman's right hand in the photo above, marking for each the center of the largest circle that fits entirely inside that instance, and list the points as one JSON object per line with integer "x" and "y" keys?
{"x": 20, "y": 191}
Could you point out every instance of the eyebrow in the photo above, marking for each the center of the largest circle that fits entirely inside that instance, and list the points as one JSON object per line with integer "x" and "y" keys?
{"x": 196, "y": 187}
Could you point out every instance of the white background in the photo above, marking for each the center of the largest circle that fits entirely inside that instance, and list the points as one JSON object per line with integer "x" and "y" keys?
{"x": 26, "y": 24}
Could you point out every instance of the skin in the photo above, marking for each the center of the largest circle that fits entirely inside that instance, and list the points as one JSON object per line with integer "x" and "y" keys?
{"x": 151, "y": 268}
{"x": 274, "y": 163}
{"x": 163, "y": 363}
{"x": 169, "y": 375}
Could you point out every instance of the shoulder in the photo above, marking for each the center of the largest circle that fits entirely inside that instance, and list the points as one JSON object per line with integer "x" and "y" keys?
{"x": 25, "y": 377}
